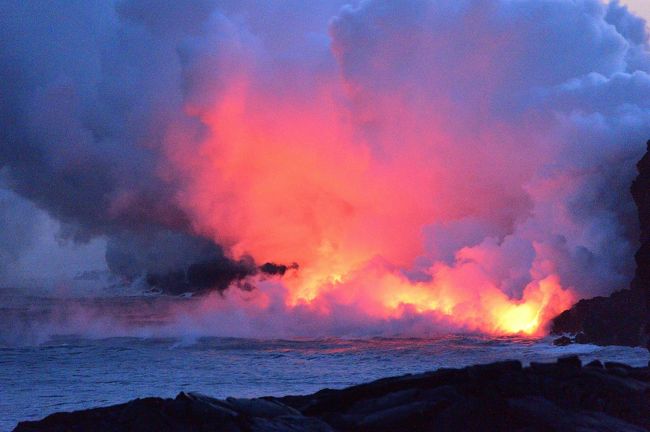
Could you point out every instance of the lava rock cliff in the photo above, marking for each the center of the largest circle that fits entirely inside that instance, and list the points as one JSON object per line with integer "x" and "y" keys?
{"x": 623, "y": 318}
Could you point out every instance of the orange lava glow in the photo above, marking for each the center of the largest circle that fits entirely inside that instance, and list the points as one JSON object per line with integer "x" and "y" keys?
{"x": 286, "y": 179}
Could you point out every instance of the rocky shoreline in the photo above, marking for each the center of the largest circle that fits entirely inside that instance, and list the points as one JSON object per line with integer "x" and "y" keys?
{"x": 503, "y": 396}
{"x": 622, "y": 318}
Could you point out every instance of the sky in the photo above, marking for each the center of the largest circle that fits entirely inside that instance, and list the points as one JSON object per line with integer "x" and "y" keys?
{"x": 332, "y": 166}
{"x": 641, "y": 7}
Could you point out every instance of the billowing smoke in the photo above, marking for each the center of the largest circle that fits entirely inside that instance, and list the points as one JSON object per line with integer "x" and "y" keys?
{"x": 457, "y": 162}
{"x": 87, "y": 92}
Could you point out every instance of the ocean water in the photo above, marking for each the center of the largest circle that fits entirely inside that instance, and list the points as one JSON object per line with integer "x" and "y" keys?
{"x": 63, "y": 354}
{"x": 71, "y": 373}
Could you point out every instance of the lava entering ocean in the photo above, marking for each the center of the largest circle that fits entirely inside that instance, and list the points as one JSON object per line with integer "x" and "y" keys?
{"x": 352, "y": 171}
{"x": 426, "y": 164}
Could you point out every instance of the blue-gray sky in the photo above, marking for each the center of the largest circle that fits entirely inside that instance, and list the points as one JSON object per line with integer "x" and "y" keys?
{"x": 641, "y": 7}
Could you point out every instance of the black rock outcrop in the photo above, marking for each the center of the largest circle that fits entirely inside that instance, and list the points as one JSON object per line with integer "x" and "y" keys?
{"x": 641, "y": 282}
{"x": 623, "y": 318}
{"x": 504, "y": 396}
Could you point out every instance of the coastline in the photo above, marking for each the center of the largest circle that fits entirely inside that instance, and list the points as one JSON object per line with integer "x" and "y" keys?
{"x": 564, "y": 395}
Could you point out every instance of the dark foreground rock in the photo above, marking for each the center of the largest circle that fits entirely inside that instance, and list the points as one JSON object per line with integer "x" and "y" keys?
{"x": 624, "y": 317}
{"x": 619, "y": 319}
{"x": 562, "y": 396}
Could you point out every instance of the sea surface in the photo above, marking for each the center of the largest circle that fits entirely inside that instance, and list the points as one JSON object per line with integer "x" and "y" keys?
{"x": 71, "y": 373}
{"x": 63, "y": 354}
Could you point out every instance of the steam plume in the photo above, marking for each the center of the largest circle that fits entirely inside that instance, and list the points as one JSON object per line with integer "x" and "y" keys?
{"x": 462, "y": 163}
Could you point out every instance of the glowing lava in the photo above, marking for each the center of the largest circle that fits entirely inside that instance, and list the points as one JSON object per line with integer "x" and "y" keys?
{"x": 288, "y": 183}
{"x": 376, "y": 181}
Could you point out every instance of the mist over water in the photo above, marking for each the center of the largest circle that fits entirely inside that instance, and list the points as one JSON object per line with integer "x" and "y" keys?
{"x": 36, "y": 319}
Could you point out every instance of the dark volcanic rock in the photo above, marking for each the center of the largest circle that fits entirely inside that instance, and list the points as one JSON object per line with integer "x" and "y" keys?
{"x": 641, "y": 282}
{"x": 187, "y": 412}
{"x": 624, "y": 317}
{"x": 504, "y": 396}
{"x": 615, "y": 320}
{"x": 562, "y": 341}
